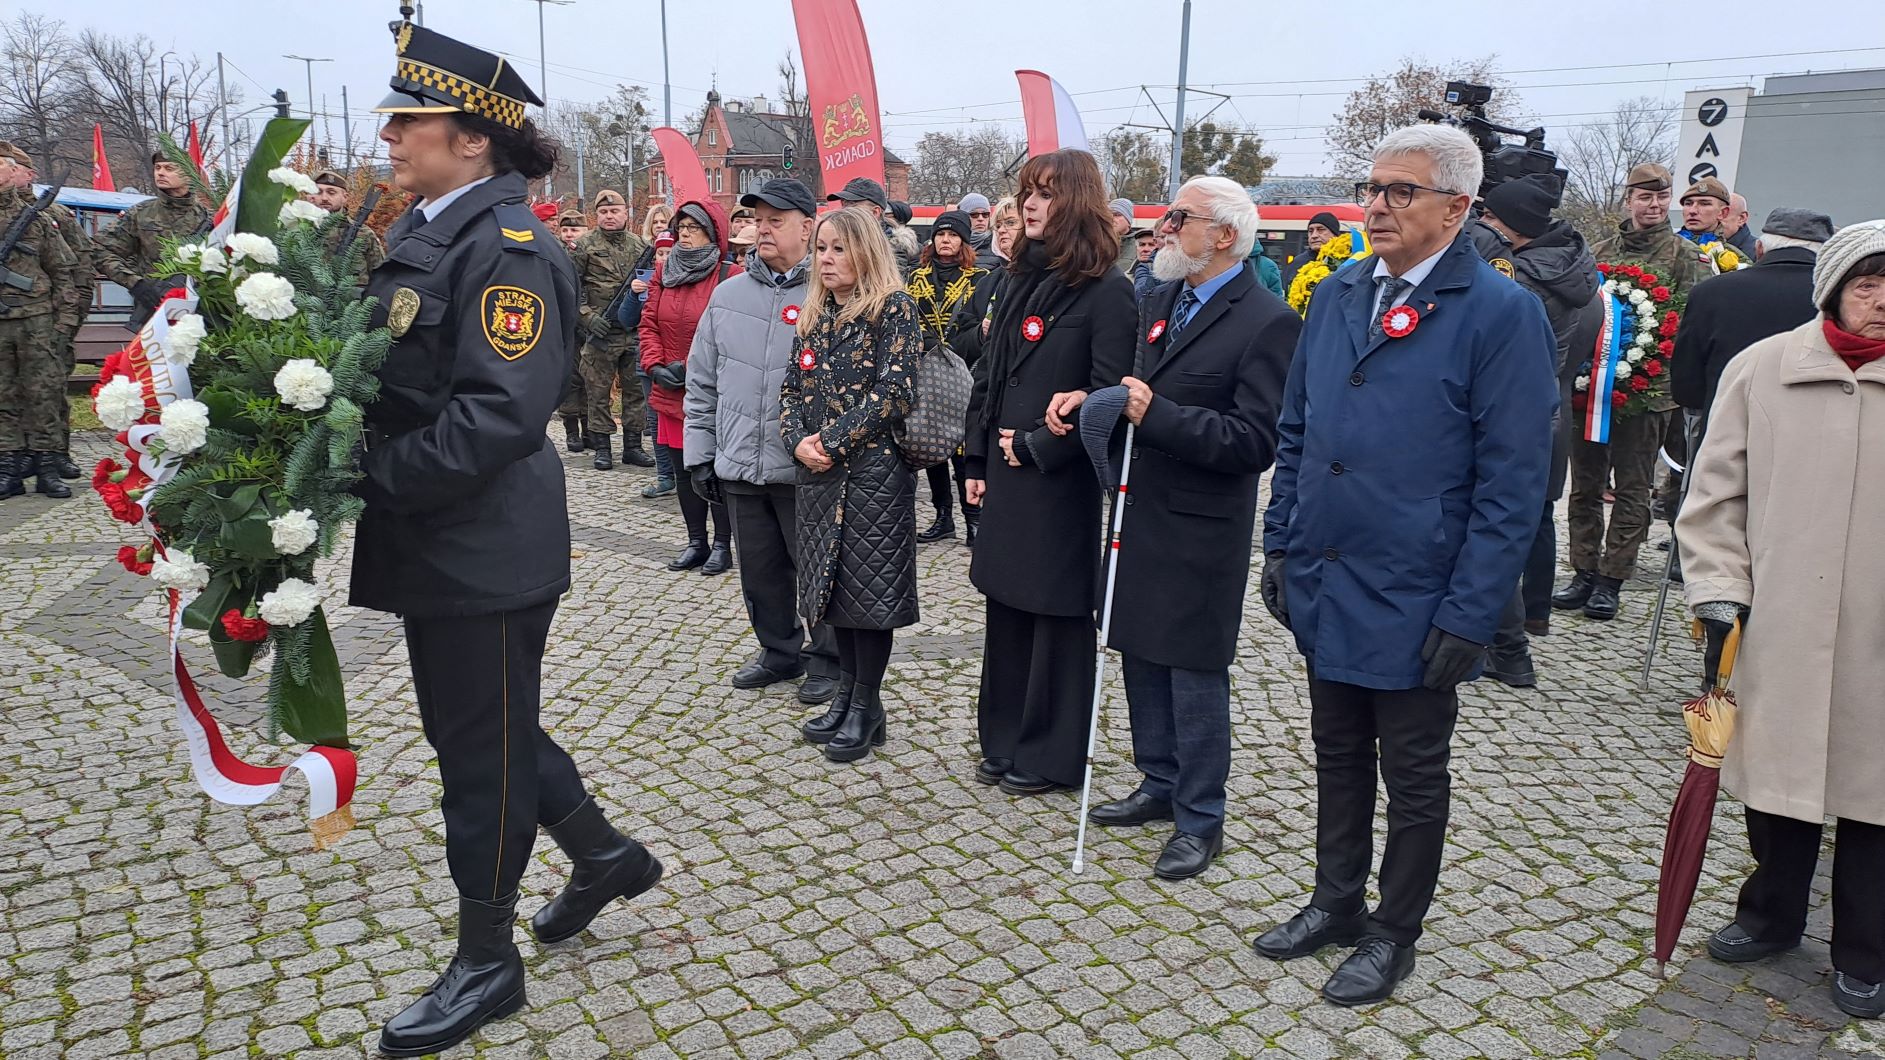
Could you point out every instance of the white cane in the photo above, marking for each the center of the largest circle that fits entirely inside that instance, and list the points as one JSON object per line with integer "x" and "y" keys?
{"x": 1099, "y": 657}
{"x": 1689, "y": 424}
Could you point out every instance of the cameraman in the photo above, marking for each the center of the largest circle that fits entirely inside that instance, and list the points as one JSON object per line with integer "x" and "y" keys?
{"x": 1517, "y": 236}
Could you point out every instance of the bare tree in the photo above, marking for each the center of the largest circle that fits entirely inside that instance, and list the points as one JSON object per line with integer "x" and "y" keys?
{"x": 949, "y": 165}
{"x": 42, "y": 90}
{"x": 612, "y": 138}
{"x": 138, "y": 92}
{"x": 1133, "y": 164}
{"x": 1597, "y": 159}
{"x": 1393, "y": 100}
{"x": 792, "y": 93}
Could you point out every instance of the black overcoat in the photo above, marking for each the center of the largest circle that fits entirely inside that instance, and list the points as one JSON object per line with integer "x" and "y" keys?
{"x": 1728, "y": 313}
{"x": 465, "y": 509}
{"x": 1198, "y": 453}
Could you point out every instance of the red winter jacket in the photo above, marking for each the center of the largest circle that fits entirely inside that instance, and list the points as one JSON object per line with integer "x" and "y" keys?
{"x": 671, "y": 314}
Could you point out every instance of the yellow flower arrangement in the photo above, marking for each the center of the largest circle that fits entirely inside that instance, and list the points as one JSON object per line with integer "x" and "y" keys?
{"x": 1332, "y": 256}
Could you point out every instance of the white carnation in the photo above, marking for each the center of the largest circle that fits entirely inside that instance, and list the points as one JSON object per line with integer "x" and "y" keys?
{"x": 1610, "y": 287}
{"x": 293, "y": 533}
{"x": 1637, "y": 297}
{"x": 184, "y": 426}
{"x": 189, "y": 252}
{"x": 247, "y": 246}
{"x": 180, "y": 571}
{"x": 119, "y": 404}
{"x": 301, "y": 210}
{"x": 289, "y": 604}
{"x": 186, "y": 334}
{"x": 1583, "y": 383}
{"x": 266, "y": 296}
{"x": 303, "y": 384}
{"x": 300, "y": 182}
{"x": 213, "y": 260}
{"x": 1624, "y": 368}
{"x": 1636, "y": 354}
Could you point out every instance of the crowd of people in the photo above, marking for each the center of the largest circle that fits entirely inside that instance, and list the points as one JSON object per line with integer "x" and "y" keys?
{"x": 1425, "y": 384}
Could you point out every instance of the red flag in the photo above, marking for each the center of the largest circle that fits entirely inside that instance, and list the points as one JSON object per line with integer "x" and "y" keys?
{"x": 196, "y": 149}
{"x": 101, "y": 166}
{"x": 685, "y": 176}
{"x": 841, "y": 87}
{"x": 1052, "y": 120}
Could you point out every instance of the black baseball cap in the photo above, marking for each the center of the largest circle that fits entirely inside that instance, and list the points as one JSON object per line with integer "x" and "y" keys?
{"x": 862, "y": 189}
{"x": 783, "y": 193}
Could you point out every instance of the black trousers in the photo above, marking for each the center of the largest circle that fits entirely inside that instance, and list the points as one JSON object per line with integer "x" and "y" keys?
{"x": 1774, "y": 899}
{"x": 765, "y": 529}
{"x": 478, "y": 681}
{"x": 1414, "y": 730}
{"x": 939, "y": 487}
{"x": 1037, "y": 690}
{"x": 694, "y": 507}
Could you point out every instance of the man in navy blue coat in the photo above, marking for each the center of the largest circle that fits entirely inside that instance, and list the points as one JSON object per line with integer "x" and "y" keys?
{"x": 1412, "y": 457}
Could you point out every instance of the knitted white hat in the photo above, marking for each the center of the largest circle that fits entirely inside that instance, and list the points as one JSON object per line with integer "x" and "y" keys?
{"x": 1841, "y": 253}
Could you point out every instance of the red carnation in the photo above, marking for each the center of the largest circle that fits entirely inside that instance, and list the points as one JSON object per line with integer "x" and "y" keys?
{"x": 1649, "y": 278}
{"x": 1666, "y": 346}
{"x": 1638, "y": 383}
{"x": 1668, "y": 329}
{"x": 246, "y": 629}
{"x": 1633, "y": 272}
{"x": 133, "y": 560}
{"x": 122, "y": 507}
{"x": 1604, "y": 267}
{"x": 1659, "y": 293}
{"x": 1652, "y": 367}
{"x": 1617, "y": 398}
{"x": 106, "y": 468}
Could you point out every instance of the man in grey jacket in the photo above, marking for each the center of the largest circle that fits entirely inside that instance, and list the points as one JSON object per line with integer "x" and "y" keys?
{"x": 741, "y": 353}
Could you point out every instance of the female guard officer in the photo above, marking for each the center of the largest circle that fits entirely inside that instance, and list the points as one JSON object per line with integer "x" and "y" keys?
{"x": 466, "y": 534}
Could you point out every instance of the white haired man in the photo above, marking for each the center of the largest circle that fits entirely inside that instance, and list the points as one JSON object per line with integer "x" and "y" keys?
{"x": 1420, "y": 399}
{"x": 1214, "y": 347}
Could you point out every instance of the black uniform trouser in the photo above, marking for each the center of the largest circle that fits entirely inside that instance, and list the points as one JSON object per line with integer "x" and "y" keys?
{"x": 1414, "y": 730}
{"x": 765, "y": 529}
{"x": 478, "y": 680}
{"x": 1037, "y": 691}
{"x": 1774, "y": 899}
{"x": 938, "y": 476}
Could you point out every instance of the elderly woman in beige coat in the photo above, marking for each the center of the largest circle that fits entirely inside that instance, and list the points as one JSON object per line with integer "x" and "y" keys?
{"x": 1783, "y": 527}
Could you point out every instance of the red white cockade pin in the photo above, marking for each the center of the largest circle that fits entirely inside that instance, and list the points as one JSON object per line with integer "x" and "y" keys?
{"x": 1157, "y": 330}
{"x": 1400, "y": 321}
{"x": 1032, "y": 329}
{"x": 807, "y": 359}
{"x": 790, "y": 315}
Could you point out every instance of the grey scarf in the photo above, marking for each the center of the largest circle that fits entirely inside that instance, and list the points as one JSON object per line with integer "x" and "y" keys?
{"x": 687, "y": 265}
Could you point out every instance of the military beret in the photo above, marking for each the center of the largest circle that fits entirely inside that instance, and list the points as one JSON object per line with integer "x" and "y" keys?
{"x": 1652, "y": 176}
{"x": 609, "y": 197}
{"x": 330, "y": 178}
{"x": 13, "y": 151}
{"x": 1707, "y": 187}
{"x": 571, "y": 219}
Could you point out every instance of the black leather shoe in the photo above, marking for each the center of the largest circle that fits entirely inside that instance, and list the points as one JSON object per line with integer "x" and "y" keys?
{"x": 1512, "y": 668}
{"x": 67, "y": 469}
{"x": 1856, "y": 997}
{"x": 1734, "y": 945}
{"x": 1309, "y": 931}
{"x": 635, "y": 455}
{"x": 485, "y": 981}
{"x": 862, "y": 729}
{"x": 1136, "y": 808}
{"x": 692, "y": 556}
{"x": 757, "y": 674}
{"x": 574, "y": 439}
{"x": 1186, "y": 856}
{"x": 719, "y": 558}
{"x": 1538, "y": 627}
{"x": 1603, "y": 602}
{"x": 821, "y": 729}
{"x": 944, "y": 526}
{"x": 1576, "y": 594}
{"x": 1021, "y": 782}
{"x": 990, "y": 770}
{"x": 1370, "y": 973}
{"x": 600, "y": 444}
{"x": 605, "y": 865}
{"x": 818, "y": 689}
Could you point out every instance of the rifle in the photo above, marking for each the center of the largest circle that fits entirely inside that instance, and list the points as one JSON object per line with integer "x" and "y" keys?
{"x": 359, "y": 220}
{"x": 17, "y": 231}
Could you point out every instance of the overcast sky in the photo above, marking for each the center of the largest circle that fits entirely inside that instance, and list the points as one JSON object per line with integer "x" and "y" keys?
{"x": 947, "y": 65}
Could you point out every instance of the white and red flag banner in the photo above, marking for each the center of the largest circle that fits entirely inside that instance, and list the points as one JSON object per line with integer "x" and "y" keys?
{"x": 841, "y": 88}
{"x": 1053, "y": 121}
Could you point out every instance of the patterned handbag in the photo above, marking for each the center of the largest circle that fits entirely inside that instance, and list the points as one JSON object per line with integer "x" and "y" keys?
{"x": 932, "y": 430}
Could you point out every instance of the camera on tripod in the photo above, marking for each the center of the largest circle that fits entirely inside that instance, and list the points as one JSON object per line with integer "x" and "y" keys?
{"x": 1504, "y": 161}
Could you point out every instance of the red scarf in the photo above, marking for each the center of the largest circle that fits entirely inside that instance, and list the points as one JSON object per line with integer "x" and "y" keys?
{"x": 1855, "y": 350}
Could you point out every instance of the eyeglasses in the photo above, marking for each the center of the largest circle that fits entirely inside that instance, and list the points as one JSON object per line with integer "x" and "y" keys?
{"x": 1178, "y": 219}
{"x": 689, "y": 226}
{"x": 1399, "y": 195}
{"x": 978, "y": 213}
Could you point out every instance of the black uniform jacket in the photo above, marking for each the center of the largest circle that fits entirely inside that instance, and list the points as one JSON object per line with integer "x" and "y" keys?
{"x": 1728, "y": 313}
{"x": 1198, "y": 453}
{"x": 465, "y": 506}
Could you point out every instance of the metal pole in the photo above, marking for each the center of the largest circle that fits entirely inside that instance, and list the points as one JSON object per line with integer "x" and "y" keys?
{"x": 1178, "y": 112}
{"x": 1099, "y": 661}
{"x": 222, "y": 107}
{"x": 310, "y": 66}
{"x": 667, "y": 90}
{"x": 346, "y": 127}
{"x": 581, "y": 195}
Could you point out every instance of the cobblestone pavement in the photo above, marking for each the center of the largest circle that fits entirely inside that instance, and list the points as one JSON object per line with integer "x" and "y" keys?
{"x": 892, "y": 908}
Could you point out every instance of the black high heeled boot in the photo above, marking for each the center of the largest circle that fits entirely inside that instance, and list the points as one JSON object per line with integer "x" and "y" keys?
{"x": 821, "y": 729}
{"x": 863, "y": 727}
{"x": 692, "y": 556}
{"x": 719, "y": 558}
{"x": 485, "y": 981}
{"x": 604, "y": 865}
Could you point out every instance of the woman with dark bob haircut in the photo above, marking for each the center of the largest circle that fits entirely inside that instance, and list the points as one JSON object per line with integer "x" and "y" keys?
{"x": 1064, "y": 321}
{"x": 465, "y": 534}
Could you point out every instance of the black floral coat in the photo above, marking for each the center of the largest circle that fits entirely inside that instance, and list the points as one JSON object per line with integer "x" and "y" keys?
{"x": 857, "y": 521}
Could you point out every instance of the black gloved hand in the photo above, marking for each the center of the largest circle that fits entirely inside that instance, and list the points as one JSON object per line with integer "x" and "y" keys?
{"x": 1449, "y": 659}
{"x": 145, "y": 294}
{"x": 598, "y": 326}
{"x": 705, "y": 482}
{"x": 1716, "y": 633}
{"x": 1270, "y": 587}
{"x": 670, "y": 376}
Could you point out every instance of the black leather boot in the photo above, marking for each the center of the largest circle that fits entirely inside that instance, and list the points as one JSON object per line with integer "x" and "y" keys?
{"x": 1576, "y": 594}
{"x": 692, "y": 556}
{"x": 604, "y": 459}
{"x": 821, "y": 729}
{"x": 485, "y": 981}
{"x": 67, "y": 469}
{"x": 604, "y": 865}
{"x": 719, "y": 558}
{"x": 573, "y": 437}
{"x": 10, "y": 477}
{"x": 863, "y": 727}
{"x": 46, "y": 469}
{"x": 1603, "y": 602}
{"x": 944, "y": 526}
{"x": 633, "y": 455}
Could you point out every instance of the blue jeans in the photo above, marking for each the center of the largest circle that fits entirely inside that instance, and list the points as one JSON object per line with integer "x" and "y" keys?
{"x": 1181, "y": 739}
{"x": 664, "y": 467}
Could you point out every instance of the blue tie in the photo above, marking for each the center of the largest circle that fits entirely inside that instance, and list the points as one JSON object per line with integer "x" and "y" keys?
{"x": 1183, "y": 312}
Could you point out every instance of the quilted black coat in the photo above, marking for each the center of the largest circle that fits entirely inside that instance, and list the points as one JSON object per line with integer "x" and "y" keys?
{"x": 857, "y": 521}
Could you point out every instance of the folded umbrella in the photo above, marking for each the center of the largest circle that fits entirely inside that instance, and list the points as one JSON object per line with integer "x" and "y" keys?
{"x": 1710, "y": 719}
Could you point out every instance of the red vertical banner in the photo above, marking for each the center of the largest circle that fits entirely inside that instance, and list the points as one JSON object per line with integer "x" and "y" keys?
{"x": 686, "y": 177}
{"x": 841, "y": 88}
{"x": 101, "y": 166}
{"x": 196, "y": 150}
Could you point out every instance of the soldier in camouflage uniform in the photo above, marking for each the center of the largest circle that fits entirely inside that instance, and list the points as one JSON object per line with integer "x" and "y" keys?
{"x": 130, "y": 247}
{"x": 23, "y": 173}
{"x": 1602, "y": 562}
{"x": 605, "y": 261}
{"x": 330, "y": 194}
{"x": 32, "y": 375}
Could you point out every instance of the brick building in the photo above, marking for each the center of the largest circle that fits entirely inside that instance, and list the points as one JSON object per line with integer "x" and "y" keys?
{"x": 741, "y": 145}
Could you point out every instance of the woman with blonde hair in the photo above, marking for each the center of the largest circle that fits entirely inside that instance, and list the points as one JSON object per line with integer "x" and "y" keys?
{"x": 852, "y": 379}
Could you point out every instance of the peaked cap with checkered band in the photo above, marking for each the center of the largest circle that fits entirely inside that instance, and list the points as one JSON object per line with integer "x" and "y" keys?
{"x": 436, "y": 74}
